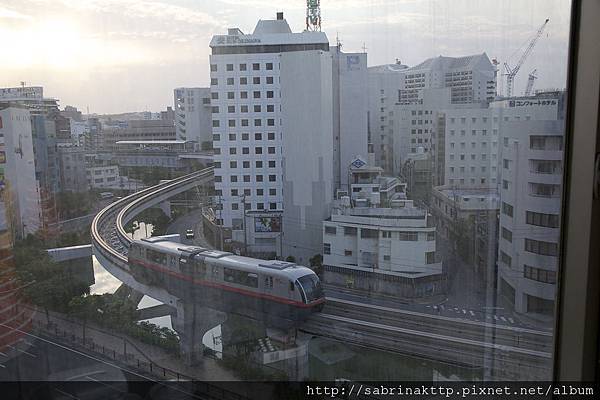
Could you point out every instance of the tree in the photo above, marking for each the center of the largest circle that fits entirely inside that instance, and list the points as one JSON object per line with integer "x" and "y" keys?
{"x": 316, "y": 263}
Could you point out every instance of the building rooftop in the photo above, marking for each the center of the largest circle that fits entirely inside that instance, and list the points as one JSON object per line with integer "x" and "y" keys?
{"x": 268, "y": 32}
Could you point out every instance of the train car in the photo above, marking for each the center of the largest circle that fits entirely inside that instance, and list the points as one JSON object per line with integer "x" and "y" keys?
{"x": 282, "y": 294}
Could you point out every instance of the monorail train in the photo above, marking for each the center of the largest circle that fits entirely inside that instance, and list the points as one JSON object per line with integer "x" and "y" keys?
{"x": 282, "y": 294}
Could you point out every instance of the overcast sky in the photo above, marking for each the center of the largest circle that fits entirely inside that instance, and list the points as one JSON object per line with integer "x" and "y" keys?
{"x": 128, "y": 55}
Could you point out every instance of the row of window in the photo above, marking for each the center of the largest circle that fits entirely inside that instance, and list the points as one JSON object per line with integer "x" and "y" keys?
{"x": 256, "y": 80}
{"x": 541, "y": 247}
{"x": 473, "y": 157}
{"x": 472, "y": 168}
{"x": 246, "y": 164}
{"x": 482, "y": 181}
{"x": 473, "y": 145}
{"x": 246, "y": 150}
{"x": 248, "y": 206}
{"x": 463, "y": 120}
{"x": 242, "y": 67}
{"x": 256, "y": 94}
{"x": 541, "y": 219}
{"x": 538, "y": 274}
{"x": 247, "y": 192}
{"x": 246, "y": 178}
{"x": 473, "y": 132}
{"x": 244, "y": 108}
{"x": 245, "y": 136}
{"x": 232, "y": 123}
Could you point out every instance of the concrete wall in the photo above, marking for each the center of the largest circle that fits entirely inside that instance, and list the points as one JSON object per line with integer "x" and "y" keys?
{"x": 307, "y": 127}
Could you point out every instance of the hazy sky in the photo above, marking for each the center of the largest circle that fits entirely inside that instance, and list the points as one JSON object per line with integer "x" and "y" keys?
{"x": 128, "y": 55}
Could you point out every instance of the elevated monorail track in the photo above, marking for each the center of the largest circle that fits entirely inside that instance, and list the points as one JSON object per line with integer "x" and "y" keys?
{"x": 454, "y": 340}
{"x": 108, "y": 227}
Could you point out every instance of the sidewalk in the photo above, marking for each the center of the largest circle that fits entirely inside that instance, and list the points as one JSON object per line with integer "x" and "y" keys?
{"x": 131, "y": 351}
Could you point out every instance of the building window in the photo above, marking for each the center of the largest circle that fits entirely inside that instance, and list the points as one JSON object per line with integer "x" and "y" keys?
{"x": 327, "y": 248}
{"x": 544, "y": 190}
{"x": 430, "y": 236}
{"x": 244, "y": 109}
{"x": 507, "y": 209}
{"x": 229, "y": 81}
{"x": 232, "y": 164}
{"x": 430, "y": 257}
{"x": 330, "y": 230}
{"x": 270, "y": 122}
{"x": 541, "y": 247}
{"x": 232, "y": 137}
{"x": 270, "y": 108}
{"x": 505, "y": 259}
{"x": 350, "y": 231}
{"x": 269, "y": 66}
{"x": 540, "y": 219}
{"x": 242, "y": 67}
{"x": 256, "y": 67}
{"x": 243, "y": 80}
{"x": 243, "y": 95}
{"x": 257, "y": 108}
{"x": 386, "y": 234}
{"x": 246, "y": 178}
{"x": 216, "y": 123}
{"x": 408, "y": 236}
{"x": 271, "y": 136}
{"x": 348, "y": 253}
{"x": 230, "y": 95}
{"x": 368, "y": 233}
{"x": 538, "y": 274}
{"x": 272, "y": 178}
{"x": 213, "y": 67}
{"x": 259, "y": 164}
{"x": 214, "y": 81}
{"x": 257, "y": 122}
{"x": 506, "y": 234}
{"x": 256, "y": 80}
{"x": 246, "y": 164}
{"x": 269, "y": 80}
{"x": 214, "y": 95}
{"x": 258, "y": 150}
{"x": 269, "y": 94}
{"x": 259, "y": 178}
{"x": 230, "y": 109}
{"x": 272, "y": 192}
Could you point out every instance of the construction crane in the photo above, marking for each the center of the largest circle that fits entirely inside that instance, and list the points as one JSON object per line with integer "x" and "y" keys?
{"x": 313, "y": 15}
{"x": 512, "y": 72}
{"x": 530, "y": 81}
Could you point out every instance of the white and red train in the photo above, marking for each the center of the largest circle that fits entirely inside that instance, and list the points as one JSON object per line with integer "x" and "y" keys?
{"x": 279, "y": 293}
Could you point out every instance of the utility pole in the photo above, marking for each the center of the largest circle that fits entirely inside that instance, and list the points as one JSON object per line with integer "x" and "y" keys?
{"x": 244, "y": 224}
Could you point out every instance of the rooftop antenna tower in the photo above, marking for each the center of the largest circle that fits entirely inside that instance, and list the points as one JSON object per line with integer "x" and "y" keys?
{"x": 313, "y": 15}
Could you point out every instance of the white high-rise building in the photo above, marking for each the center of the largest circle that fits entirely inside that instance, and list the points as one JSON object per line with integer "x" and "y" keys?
{"x": 17, "y": 169}
{"x": 350, "y": 112}
{"x": 271, "y": 98}
{"x": 473, "y": 135}
{"x": 397, "y": 91}
{"x": 531, "y": 176}
{"x": 193, "y": 121}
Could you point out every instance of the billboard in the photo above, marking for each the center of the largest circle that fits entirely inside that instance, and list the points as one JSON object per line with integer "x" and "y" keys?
{"x": 267, "y": 224}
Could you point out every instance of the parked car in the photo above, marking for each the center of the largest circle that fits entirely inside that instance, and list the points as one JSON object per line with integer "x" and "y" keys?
{"x": 189, "y": 234}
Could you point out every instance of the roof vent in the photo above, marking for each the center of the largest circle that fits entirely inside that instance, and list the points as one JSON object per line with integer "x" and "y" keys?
{"x": 279, "y": 15}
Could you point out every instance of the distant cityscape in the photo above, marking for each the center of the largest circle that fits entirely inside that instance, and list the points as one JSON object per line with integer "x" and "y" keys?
{"x": 404, "y": 180}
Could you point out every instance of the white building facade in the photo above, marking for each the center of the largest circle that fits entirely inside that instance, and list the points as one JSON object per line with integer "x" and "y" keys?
{"x": 272, "y": 128}
{"x": 105, "y": 176}
{"x": 389, "y": 250}
{"x": 530, "y": 188}
{"x": 193, "y": 120}
{"x": 18, "y": 169}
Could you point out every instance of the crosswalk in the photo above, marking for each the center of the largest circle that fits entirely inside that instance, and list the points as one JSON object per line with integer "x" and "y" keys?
{"x": 476, "y": 315}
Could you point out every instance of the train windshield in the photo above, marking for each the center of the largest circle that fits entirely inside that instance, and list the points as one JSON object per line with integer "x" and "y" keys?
{"x": 312, "y": 287}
